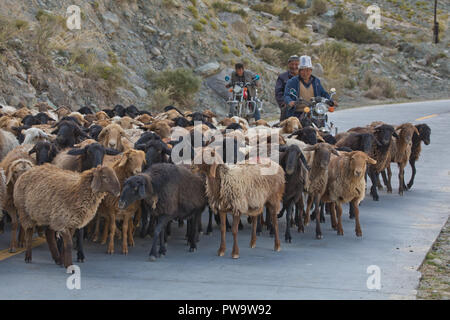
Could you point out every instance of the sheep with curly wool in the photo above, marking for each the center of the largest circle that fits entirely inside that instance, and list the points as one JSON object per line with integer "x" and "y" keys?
{"x": 61, "y": 200}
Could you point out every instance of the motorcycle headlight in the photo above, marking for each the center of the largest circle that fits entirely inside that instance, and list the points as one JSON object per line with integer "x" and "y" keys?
{"x": 321, "y": 108}
{"x": 237, "y": 89}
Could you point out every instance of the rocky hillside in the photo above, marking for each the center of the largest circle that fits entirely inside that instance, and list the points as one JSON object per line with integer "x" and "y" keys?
{"x": 155, "y": 52}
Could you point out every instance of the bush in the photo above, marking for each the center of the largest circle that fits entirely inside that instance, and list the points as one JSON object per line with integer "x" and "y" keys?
{"x": 160, "y": 98}
{"x": 213, "y": 25}
{"x": 318, "y": 7}
{"x": 225, "y": 49}
{"x": 226, "y": 7}
{"x": 300, "y": 3}
{"x": 285, "y": 50}
{"x": 198, "y": 26}
{"x": 203, "y": 21}
{"x": 194, "y": 11}
{"x": 183, "y": 81}
{"x": 335, "y": 59}
{"x": 378, "y": 86}
{"x": 354, "y": 32}
{"x": 236, "y": 52}
{"x": 270, "y": 56}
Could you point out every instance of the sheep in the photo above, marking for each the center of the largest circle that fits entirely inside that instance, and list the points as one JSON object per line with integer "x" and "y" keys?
{"x": 85, "y": 110}
{"x": 61, "y": 200}
{"x": 68, "y": 133}
{"x": 356, "y": 141}
{"x": 45, "y": 152}
{"x": 380, "y": 151}
{"x": 346, "y": 183}
{"x": 132, "y": 111}
{"x": 290, "y": 125}
{"x": 400, "y": 153}
{"x": 307, "y": 135}
{"x": 172, "y": 192}
{"x": 162, "y": 128}
{"x": 130, "y": 163}
{"x": 34, "y": 135}
{"x": 7, "y": 123}
{"x": 155, "y": 150}
{"x": 84, "y": 157}
{"x": 424, "y": 135}
{"x": 101, "y": 115}
{"x": 62, "y": 112}
{"x": 22, "y": 112}
{"x": 119, "y": 110}
{"x": 318, "y": 160}
{"x": 94, "y": 131}
{"x": 242, "y": 189}
{"x": 7, "y": 142}
{"x": 113, "y": 136}
{"x": 296, "y": 168}
{"x": 144, "y": 118}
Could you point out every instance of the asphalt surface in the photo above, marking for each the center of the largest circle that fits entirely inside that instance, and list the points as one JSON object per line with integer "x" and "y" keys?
{"x": 397, "y": 233}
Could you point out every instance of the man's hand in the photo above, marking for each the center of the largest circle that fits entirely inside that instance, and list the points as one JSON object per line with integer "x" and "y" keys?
{"x": 291, "y": 104}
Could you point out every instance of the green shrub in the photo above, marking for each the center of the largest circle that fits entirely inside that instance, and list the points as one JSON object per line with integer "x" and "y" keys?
{"x": 236, "y": 52}
{"x": 285, "y": 50}
{"x": 183, "y": 81}
{"x": 225, "y": 49}
{"x": 300, "y": 3}
{"x": 194, "y": 11}
{"x": 354, "y": 32}
{"x": 20, "y": 24}
{"x": 318, "y": 7}
{"x": 226, "y": 7}
{"x": 161, "y": 98}
{"x": 203, "y": 21}
{"x": 214, "y": 25}
{"x": 198, "y": 26}
{"x": 194, "y": 2}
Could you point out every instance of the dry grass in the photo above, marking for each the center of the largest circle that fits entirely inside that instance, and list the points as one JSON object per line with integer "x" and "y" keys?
{"x": 378, "y": 87}
{"x": 161, "y": 98}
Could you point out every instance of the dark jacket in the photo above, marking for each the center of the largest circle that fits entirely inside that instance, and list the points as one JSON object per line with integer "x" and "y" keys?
{"x": 294, "y": 83}
{"x": 280, "y": 85}
{"x": 247, "y": 77}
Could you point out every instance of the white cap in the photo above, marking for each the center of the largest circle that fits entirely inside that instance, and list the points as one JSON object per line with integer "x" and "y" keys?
{"x": 305, "y": 62}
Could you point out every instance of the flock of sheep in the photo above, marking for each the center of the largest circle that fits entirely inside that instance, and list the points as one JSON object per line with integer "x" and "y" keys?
{"x": 103, "y": 175}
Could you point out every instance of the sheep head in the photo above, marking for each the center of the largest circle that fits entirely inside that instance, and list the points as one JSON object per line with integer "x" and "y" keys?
{"x": 322, "y": 154}
{"x": 358, "y": 161}
{"x": 132, "y": 161}
{"x": 111, "y": 137}
{"x": 136, "y": 188}
{"x": 104, "y": 179}
{"x": 16, "y": 169}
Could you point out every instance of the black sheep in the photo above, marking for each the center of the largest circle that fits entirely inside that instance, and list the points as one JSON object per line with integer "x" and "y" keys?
{"x": 85, "y": 110}
{"x": 172, "y": 192}
{"x": 119, "y": 110}
{"x": 132, "y": 111}
{"x": 424, "y": 135}
{"x": 45, "y": 152}
{"x": 94, "y": 131}
{"x": 307, "y": 135}
{"x": 68, "y": 134}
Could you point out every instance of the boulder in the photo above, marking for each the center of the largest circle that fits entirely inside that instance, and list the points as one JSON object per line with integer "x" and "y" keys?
{"x": 208, "y": 69}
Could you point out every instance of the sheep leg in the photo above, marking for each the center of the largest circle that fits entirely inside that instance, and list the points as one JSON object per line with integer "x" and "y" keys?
{"x": 357, "y": 225}
{"x": 223, "y": 231}
{"x": 67, "y": 239}
{"x": 28, "y": 238}
{"x": 379, "y": 186}
{"x": 322, "y": 212}
{"x": 162, "y": 220}
{"x": 308, "y": 209}
{"x": 2, "y": 223}
{"x": 105, "y": 229}
{"x": 259, "y": 224}
{"x": 413, "y": 168}
{"x": 151, "y": 226}
{"x": 287, "y": 235}
{"x": 317, "y": 214}
{"x": 273, "y": 213}
{"x": 21, "y": 237}
{"x": 80, "y": 251}
{"x": 351, "y": 211}
{"x": 254, "y": 227}
{"x": 269, "y": 223}
{"x": 385, "y": 179}
{"x": 194, "y": 234}
{"x": 209, "y": 228}
{"x": 339, "y": 218}
{"x": 235, "y": 228}
{"x": 51, "y": 241}
{"x": 240, "y": 225}
{"x": 333, "y": 216}
{"x": 162, "y": 243}
{"x": 125, "y": 235}
{"x": 112, "y": 233}
{"x": 131, "y": 232}
{"x": 389, "y": 185}
{"x": 144, "y": 219}
{"x": 401, "y": 178}
{"x": 14, "y": 225}
{"x": 300, "y": 209}
{"x": 373, "y": 189}
{"x": 137, "y": 217}
{"x": 180, "y": 223}
{"x": 199, "y": 225}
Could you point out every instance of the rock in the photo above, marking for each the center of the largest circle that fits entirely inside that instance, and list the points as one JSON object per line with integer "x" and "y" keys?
{"x": 15, "y": 43}
{"x": 404, "y": 77}
{"x": 315, "y": 27}
{"x": 217, "y": 83}
{"x": 422, "y": 62}
{"x": 126, "y": 96}
{"x": 61, "y": 61}
{"x": 437, "y": 261}
{"x": 208, "y": 69}
{"x": 329, "y": 13}
{"x": 149, "y": 29}
{"x": 318, "y": 69}
{"x": 142, "y": 93}
{"x": 155, "y": 51}
{"x": 267, "y": 15}
{"x": 111, "y": 18}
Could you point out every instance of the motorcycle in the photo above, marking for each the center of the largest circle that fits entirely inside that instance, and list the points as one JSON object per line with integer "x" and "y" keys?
{"x": 316, "y": 111}
{"x": 239, "y": 103}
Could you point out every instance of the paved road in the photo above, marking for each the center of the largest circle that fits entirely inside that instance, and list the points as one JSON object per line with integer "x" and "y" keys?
{"x": 397, "y": 233}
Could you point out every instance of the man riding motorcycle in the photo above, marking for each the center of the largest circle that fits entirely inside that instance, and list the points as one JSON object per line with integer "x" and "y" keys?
{"x": 243, "y": 76}
{"x": 293, "y": 63}
{"x": 306, "y": 86}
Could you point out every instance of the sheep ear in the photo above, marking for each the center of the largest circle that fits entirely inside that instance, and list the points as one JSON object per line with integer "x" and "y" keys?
{"x": 371, "y": 161}
{"x": 9, "y": 173}
{"x": 101, "y": 135}
{"x": 111, "y": 152}
{"x": 33, "y": 150}
{"x": 96, "y": 181}
{"x": 395, "y": 135}
{"x": 123, "y": 160}
{"x": 212, "y": 170}
{"x": 334, "y": 151}
{"x": 76, "y": 151}
{"x": 141, "y": 146}
{"x": 304, "y": 161}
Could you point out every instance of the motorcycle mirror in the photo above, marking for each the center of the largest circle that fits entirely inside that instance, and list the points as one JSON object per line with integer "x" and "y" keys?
{"x": 227, "y": 78}
{"x": 333, "y": 90}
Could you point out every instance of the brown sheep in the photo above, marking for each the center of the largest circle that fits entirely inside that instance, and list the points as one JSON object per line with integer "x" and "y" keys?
{"x": 162, "y": 128}
{"x": 129, "y": 164}
{"x": 8, "y": 122}
{"x": 127, "y": 122}
{"x": 261, "y": 122}
{"x": 101, "y": 115}
{"x": 22, "y": 112}
{"x": 113, "y": 136}
{"x": 62, "y": 200}
{"x": 144, "y": 118}
{"x": 8, "y": 142}
{"x": 290, "y": 125}
{"x": 346, "y": 183}
{"x": 400, "y": 153}
{"x": 104, "y": 123}
{"x": 62, "y": 112}
{"x": 242, "y": 189}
